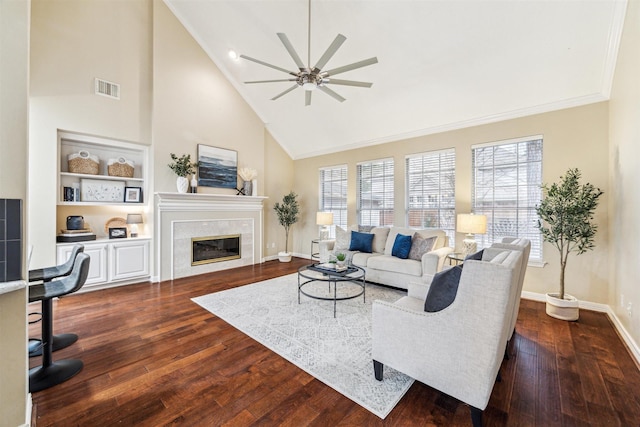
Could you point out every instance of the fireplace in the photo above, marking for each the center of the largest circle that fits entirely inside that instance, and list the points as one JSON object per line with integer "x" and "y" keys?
{"x": 205, "y": 250}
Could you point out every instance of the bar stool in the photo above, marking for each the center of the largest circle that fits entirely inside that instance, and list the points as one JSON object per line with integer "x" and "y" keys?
{"x": 52, "y": 373}
{"x": 47, "y": 274}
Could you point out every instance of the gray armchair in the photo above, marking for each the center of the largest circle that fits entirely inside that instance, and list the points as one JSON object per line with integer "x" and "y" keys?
{"x": 459, "y": 349}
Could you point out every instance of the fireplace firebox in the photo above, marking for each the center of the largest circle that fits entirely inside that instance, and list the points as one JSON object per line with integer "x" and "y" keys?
{"x": 205, "y": 250}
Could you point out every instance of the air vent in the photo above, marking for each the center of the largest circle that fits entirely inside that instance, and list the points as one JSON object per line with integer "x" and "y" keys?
{"x": 108, "y": 89}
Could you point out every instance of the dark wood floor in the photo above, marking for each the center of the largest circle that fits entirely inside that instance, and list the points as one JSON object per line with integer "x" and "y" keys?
{"x": 152, "y": 357}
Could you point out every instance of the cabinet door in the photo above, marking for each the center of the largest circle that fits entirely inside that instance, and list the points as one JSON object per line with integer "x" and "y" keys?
{"x": 129, "y": 260}
{"x": 97, "y": 265}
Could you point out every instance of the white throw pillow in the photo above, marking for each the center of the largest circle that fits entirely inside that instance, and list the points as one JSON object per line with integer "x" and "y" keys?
{"x": 343, "y": 239}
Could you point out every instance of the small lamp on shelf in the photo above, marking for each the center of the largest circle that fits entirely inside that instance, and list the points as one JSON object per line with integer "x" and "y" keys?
{"x": 324, "y": 220}
{"x": 133, "y": 220}
{"x": 471, "y": 224}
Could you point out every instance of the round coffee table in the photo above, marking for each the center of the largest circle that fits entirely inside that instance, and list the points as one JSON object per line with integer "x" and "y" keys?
{"x": 314, "y": 273}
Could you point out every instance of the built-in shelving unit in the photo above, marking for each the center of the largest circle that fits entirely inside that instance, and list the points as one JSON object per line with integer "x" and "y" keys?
{"x": 105, "y": 149}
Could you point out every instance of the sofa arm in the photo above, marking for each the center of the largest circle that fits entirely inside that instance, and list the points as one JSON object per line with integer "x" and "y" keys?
{"x": 433, "y": 261}
{"x": 325, "y": 247}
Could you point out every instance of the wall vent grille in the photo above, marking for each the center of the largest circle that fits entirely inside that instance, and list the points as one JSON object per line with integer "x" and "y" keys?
{"x": 108, "y": 89}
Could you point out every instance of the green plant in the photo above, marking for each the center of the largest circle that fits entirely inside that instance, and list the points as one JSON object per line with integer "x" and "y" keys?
{"x": 287, "y": 212}
{"x": 182, "y": 166}
{"x": 566, "y": 217}
{"x": 341, "y": 256}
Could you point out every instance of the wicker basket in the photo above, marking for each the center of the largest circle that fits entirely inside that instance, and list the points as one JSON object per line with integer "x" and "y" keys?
{"x": 83, "y": 162}
{"x": 121, "y": 167}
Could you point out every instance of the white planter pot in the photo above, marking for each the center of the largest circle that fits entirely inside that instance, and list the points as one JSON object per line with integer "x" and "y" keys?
{"x": 284, "y": 256}
{"x": 563, "y": 309}
{"x": 182, "y": 183}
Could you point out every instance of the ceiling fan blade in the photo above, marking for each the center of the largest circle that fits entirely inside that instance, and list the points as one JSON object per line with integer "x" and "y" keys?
{"x": 307, "y": 97}
{"x": 284, "y": 93}
{"x": 331, "y": 93}
{"x": 331, "y": 50}
{"x": 346, "y": 83}
{"x": 271, "y": 81}
{"x": 350, "y": 67}
{"x": 275, "y": 67}
{"x": 287, "y": 44}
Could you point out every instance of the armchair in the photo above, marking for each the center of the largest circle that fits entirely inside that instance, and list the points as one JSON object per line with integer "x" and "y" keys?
{"x": 459, "y": 349}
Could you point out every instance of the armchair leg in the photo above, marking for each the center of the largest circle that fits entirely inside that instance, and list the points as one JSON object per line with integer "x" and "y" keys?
{"x": 476, "y": 416}
{"x": 378, "y": 368}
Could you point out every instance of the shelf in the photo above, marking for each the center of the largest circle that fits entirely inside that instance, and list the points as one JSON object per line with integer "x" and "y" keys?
{"x": 106, "y": 177}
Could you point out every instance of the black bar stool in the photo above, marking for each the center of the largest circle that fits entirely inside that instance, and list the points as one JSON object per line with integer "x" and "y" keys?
{"x": 52, "y": 373}
{"x": 47, "y": 274}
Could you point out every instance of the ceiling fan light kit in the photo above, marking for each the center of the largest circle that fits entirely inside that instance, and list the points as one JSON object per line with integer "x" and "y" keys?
{"x": 311, "y": 78}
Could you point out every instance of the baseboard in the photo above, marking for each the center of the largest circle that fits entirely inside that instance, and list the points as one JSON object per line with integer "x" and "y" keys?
{"x": 603, "y": 308}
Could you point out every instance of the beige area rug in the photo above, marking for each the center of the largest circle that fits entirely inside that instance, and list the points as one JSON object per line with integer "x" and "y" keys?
{"x": 335, "y": 351}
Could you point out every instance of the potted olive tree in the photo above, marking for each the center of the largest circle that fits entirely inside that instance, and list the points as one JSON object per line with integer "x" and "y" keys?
{"x": 566, "y": 220}
{"x": 182, "y": 166}
{"x": 287, "y": 212}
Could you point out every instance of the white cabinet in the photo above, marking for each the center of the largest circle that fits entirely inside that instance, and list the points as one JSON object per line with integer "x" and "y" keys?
{"x": 113, "y": 262}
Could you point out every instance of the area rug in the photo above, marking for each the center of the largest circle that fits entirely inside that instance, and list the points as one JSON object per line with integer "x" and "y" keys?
{"x": 337, "y": 351}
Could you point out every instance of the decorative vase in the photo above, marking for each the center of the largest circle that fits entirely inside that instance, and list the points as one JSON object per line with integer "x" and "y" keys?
{"x": 254, "y": 187}
{"x": 182, "y": 183}
{"x": 563, "y": 309}
{"x": 247, "y": 188}
{"x": 194, "y": 183}
{"x": 284, "y": 256}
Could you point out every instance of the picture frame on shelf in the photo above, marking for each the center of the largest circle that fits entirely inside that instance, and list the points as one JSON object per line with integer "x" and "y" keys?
{"x": 118, "y": 232}
{"x": 100, "y": 190}
{"x": 133, "y": 194}
{"x": 217, "y": 167}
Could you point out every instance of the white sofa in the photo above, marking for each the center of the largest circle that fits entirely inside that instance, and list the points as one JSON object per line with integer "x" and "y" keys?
{"x": 382, "y": 267}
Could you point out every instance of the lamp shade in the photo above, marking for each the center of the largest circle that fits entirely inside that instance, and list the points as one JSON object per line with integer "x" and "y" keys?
{"x": 471, "y": 224}
{"x": 134, "y": 219}
{"x": 324, "y": 218}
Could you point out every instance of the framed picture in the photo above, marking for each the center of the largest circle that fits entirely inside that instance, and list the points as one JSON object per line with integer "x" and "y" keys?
{"x": 218, "y": 167}
{"x": 118, "y": 233}
{"x": 133, "y": 194}
{"x": 101, "y": 190}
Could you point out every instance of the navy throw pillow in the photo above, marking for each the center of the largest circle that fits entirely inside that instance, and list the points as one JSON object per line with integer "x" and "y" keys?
{"x": 401, "y": 246}
{"x": 361, "y": 242}
{"x": 443, "y": 289}
{"x": 476, "y": 256}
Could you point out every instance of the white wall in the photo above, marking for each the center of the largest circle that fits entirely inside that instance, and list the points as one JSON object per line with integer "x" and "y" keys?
{"x": 14, "y": 72}
{"x": 625, "y": 176}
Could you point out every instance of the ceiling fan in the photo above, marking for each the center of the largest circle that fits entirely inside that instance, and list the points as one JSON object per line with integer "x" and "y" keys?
{"x": 311, "y": 78}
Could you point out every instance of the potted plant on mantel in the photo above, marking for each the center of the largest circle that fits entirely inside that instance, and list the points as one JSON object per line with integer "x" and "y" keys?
{"x": 182, "y": 166}
{"x": 287, "y": 216}
{"x": 566, "y": 220}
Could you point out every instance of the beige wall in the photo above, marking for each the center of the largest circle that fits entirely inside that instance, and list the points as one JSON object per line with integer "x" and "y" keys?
{"x": 576, "y": 137}
{"x": 14, "y": 72}
{"x": 73, "y": 42}
{"x": 625, "y": 175}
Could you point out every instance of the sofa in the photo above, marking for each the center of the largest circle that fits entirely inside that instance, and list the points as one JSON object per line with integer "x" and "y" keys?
{"x": 427, "y": 254}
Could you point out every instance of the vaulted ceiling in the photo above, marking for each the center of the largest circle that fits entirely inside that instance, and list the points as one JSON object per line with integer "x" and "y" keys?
{"x": 442, "y": 64}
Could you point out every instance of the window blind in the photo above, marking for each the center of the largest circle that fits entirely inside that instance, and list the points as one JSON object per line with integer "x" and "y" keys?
{"x": 333, "y": 194}
{"x": 431, "y": 182}
{"x": 375, "y": 199}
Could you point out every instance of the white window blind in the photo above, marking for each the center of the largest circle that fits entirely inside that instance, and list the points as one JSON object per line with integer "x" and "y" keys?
{"x": 375, "y": 192}
{"x": 333, "y": 194}
{"x": 506, "y": 188}
{"x": 431, "y": 183}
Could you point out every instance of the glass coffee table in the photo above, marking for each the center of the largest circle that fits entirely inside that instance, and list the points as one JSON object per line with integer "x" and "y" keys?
{"x": 351, "y": 283}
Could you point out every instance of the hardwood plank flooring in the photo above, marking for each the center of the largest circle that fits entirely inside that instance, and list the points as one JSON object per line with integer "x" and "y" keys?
{"x": 152, "y": 357}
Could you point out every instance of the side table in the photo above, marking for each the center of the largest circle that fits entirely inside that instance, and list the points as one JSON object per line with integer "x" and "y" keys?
{"x": 456, "y": 258}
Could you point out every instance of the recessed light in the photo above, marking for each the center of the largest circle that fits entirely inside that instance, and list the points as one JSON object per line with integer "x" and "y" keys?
{"x": 233, "y": 55}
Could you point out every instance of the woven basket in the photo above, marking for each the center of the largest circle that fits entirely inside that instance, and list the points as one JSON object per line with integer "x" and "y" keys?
{"x": 83, "y": 162}
{"x": 121, "y": 167}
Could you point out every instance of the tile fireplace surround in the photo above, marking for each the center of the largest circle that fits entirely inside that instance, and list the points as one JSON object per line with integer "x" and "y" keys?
{"x": 183, "y": 216}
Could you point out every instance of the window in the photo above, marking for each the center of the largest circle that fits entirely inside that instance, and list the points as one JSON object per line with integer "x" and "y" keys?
{"x": 507, "y": 176}
{"x": 431, "y": 182}
{"x": 375, "y": 192}
{"x": 333, "y": 194}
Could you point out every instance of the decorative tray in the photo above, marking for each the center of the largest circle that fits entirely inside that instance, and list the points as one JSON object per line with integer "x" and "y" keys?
{"x": 330, "y": 268}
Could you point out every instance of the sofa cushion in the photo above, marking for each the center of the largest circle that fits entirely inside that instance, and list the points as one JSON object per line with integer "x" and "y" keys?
{"x": 401, "y": 246}
{"x": 361, "y": 258}
{"x": 361, "y": 242}
{"x": 391, "y": 237}
{"x": 393, "y": 264}
{"x": 420, "y": 245}
{"x": 443, "y": 289}
{"x": 380, "y": 238}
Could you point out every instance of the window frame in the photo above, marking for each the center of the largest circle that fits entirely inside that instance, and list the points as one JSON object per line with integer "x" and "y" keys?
{"x": 386, "y": 212}
{"x": 339, "y": 212}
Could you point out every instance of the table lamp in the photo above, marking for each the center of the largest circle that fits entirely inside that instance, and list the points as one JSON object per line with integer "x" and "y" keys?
{"x": 324, "y": 220}
{"x": 471, "y": 224}
{"x": 133, "y": 220}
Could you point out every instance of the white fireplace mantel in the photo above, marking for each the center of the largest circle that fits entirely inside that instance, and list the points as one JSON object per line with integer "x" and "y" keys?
{"x": 200, "y": 201}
